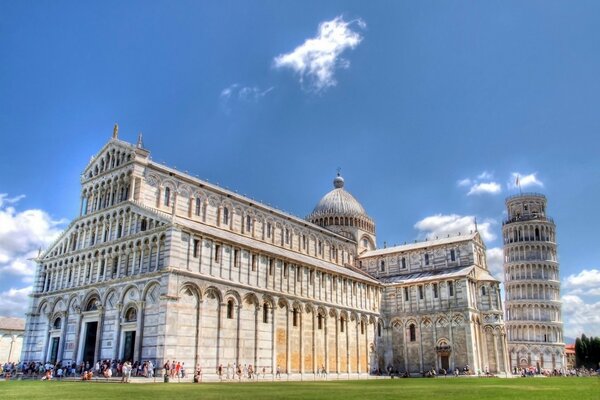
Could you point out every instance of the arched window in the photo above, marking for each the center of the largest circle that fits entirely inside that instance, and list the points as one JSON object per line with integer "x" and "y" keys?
{"x": 319, "y": 321}
{"x": 226, "y": 215}
{"x": 483, "y": 290}
{"x": 382, "y": 266}
{"x": 412, "y": 330}
{"x": 57, "y": 323}
{"x": 92, "y": 305}
{"x": 362, "y": 327}
{"x": 198, "y": 206}
{"x": 131, "y": 315}
{"x": 295, "y": 317}
{"x": 265, "y": 313}
{"x": 248, "y": 223}
{"x": 230, "y": 309}
{"x": 167, "y": 196}
{"x": 426, "y": 258}
{"x": 403, "y": 262}
{"x": 342, "y": 323}
{"x": 379, "y": 330}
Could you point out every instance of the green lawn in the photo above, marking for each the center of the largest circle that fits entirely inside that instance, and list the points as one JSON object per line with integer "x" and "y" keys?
{"x": 413, "y": 389}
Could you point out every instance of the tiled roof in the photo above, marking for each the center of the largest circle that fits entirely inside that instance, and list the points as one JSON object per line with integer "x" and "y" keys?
{"x": 427, "y": 276}
{"x": 418, "y": 245}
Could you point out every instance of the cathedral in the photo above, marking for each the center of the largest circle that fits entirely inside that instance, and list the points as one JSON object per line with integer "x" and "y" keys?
{"x": 160, "y": 265}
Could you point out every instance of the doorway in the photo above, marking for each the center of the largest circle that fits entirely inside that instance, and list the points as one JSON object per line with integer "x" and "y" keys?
{"x": 54, "y": 350}
{"x": 89, "y": 344}
{"x": 129, "y": 346}
{"x": 445, "y": 361}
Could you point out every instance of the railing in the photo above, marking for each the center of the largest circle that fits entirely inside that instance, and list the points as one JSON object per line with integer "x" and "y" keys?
{"x": 530, "y": 217}
{"x": 526, "y": 194}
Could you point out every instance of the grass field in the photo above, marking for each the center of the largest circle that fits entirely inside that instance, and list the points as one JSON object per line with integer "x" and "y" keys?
{"x": 413, "y": 389}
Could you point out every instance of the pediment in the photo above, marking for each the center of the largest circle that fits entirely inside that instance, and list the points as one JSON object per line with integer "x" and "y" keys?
{"x": 113, "y": 155}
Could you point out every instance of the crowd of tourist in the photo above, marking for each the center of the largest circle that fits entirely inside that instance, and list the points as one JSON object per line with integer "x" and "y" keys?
{"x": 85, "y": 370}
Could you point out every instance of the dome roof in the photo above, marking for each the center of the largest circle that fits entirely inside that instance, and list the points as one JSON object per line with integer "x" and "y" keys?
{"x": 338, "y": 202}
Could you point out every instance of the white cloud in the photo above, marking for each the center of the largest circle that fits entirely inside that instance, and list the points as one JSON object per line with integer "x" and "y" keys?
{"x": 584, "y": 279}
{"x": 443, "y": 225}
{"x": 22, "y": 234}
{"x": 485, "y": 187}
{"x": 247, "y": 93}
{"x": 5, "y": 199}
{"x": 317, "y": 58}
{"x": 482, "y": 184}
{"x": 495, "y": 261}
{"x": 237, "y": 92}
{"x": 580, "y": 316}
{"x": 485, "y": 175}
{"x": 15, "y": 302}
{"x": 524, "y": 180}
{"x": 464, "y": 182}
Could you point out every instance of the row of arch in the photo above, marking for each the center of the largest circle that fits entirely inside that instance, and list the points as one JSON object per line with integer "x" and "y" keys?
{"x": 532, "y": 291}
{"x": 106, "y": 193}
{"x": 361, "y": 222}
{"x": 539, "y": 232}
{"x": 531, "y": 271}
{"x": 534, "y": 333}
{"x": 130, "y": 258}
{"x": 530, "y": 253}
{"x": 112, "y": 158}
{"x": 100, "y": 229}
{"x": 533, "y": 312}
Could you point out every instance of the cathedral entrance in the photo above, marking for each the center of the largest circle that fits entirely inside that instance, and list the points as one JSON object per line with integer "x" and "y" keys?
{"x": 89, "y": 344}
{"x": 54, "y": 350}
{"x": 128, "y": 346}
{"x": 445, "y": 361}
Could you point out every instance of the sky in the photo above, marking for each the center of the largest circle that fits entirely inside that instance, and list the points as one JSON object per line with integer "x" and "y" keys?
{"x": 430, "y": 108}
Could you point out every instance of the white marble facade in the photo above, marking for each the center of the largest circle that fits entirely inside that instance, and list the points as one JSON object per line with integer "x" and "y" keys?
{"x": 161, "y": 265}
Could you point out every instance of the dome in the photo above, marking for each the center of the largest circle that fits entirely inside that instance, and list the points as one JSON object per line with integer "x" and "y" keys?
{"x": 338, "y": 202}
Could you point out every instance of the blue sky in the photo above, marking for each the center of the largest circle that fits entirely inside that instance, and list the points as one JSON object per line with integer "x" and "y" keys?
{"x": 429, "y": 108}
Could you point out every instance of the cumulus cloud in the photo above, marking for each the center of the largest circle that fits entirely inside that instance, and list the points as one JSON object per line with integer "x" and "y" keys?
{"x": 481, "y": 184}
{"x": 485, "y": 187}
{"x": 317, "y": 59}
{"x": 581, "y": 303}
{"x": 524, "y": 181}
{"x": 583, "y": 280}
{"x": 22, "y": 234}
{"x": 440, "y": 225}
{"x": 580, "y": 316}
{"x": 15, "y": 302}
{"x": 495, "y": 261}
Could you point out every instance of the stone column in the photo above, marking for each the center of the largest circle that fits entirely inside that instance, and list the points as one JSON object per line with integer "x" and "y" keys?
{"x": 314, "y": 341}
{"x": 256, "y": 312}
{"x": 77, "y": 332}
{"x": 98, "y": 350}
{"x": 63, "y": 335}
{"x": 116, "y": 355}
{"x": 273, "y": 341}
{"x": 141, "y": 306}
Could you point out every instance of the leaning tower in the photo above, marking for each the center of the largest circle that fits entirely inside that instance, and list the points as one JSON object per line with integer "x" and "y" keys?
{"x": 532, "y": 287}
